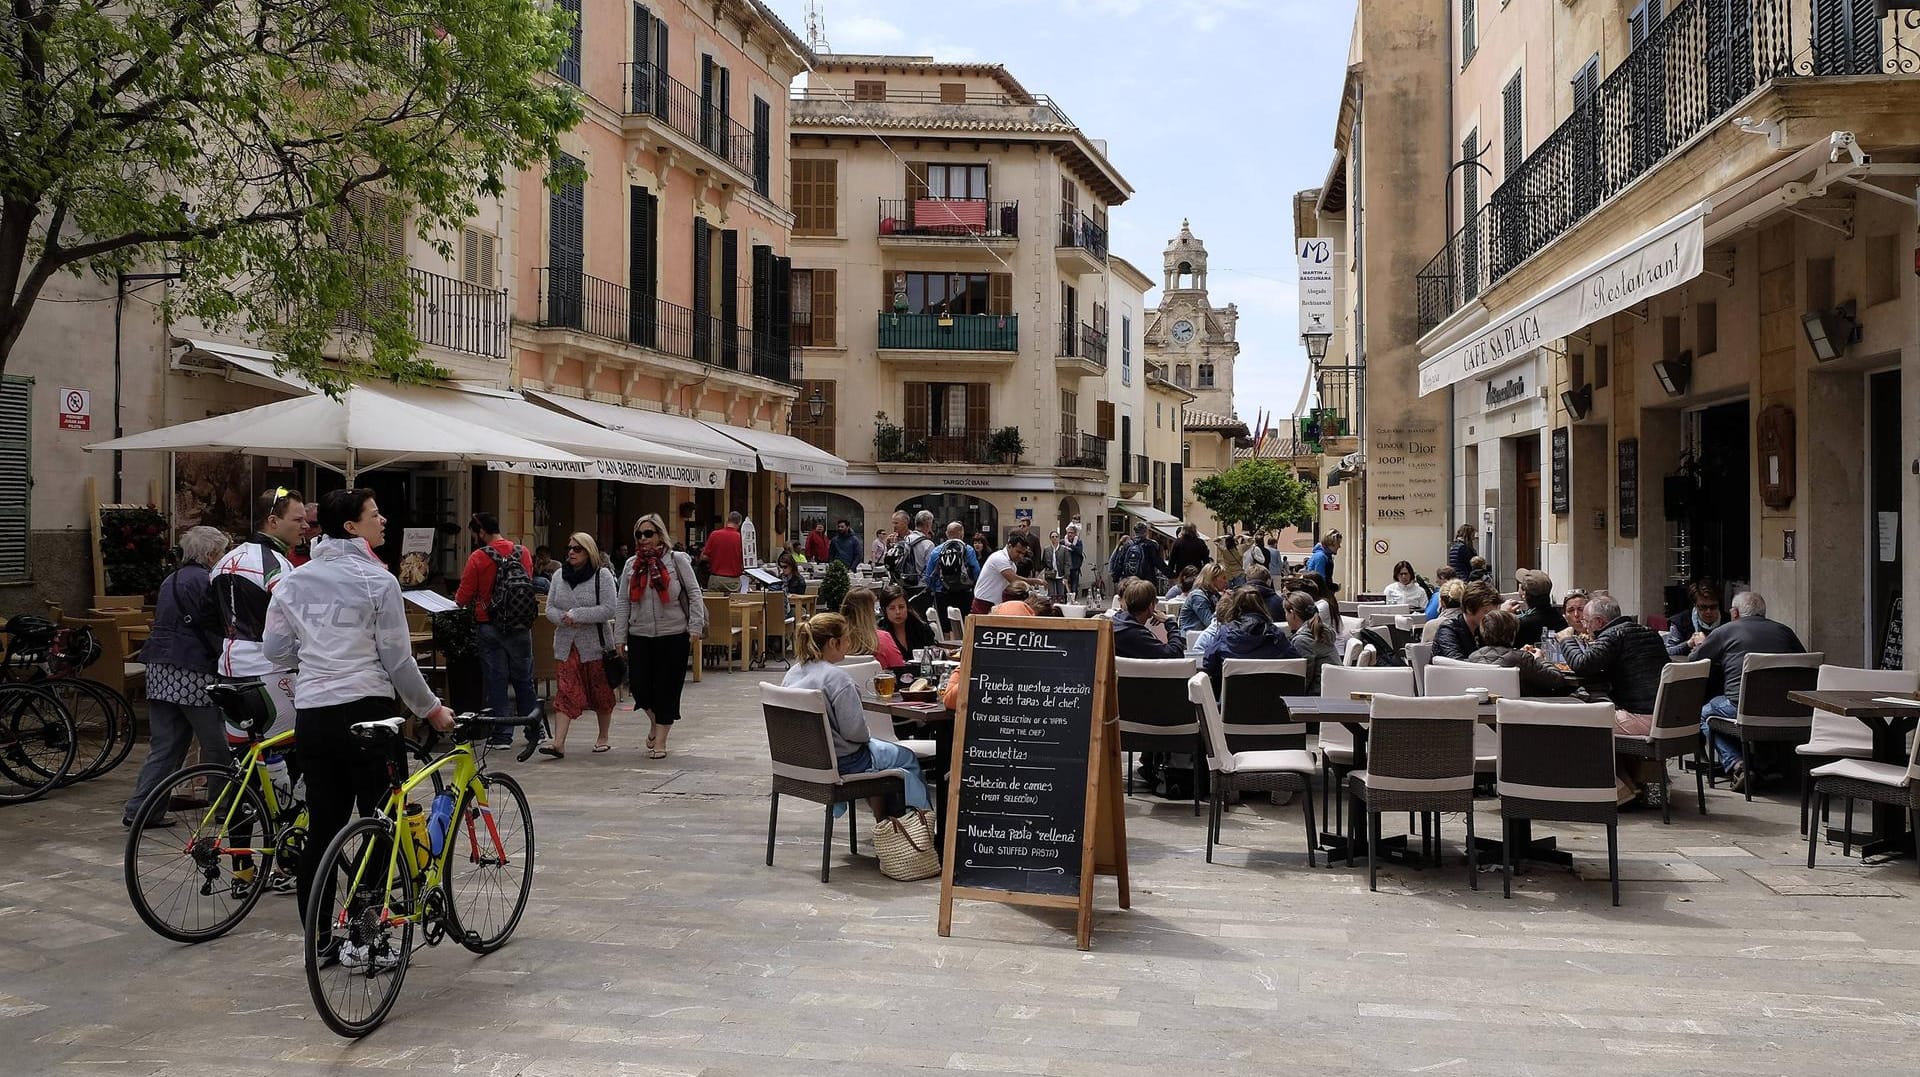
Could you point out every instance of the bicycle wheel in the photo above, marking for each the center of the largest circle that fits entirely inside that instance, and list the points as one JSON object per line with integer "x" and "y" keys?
{"x": 37, "y": 743}
{"x": 184, "y": 880}
{"x": 489, "y": 870}
{"x": 97, "y": 720}
{"x": 358, "y": 937}
{"x": 123, "y": 729}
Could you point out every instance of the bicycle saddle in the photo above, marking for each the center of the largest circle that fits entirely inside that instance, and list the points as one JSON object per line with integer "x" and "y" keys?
{"x": 245, "y": 705}
{"x": 383, "y": 727}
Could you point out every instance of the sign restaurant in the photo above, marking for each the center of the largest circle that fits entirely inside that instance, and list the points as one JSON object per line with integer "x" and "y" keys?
{"x": 699, "y": 478}
{"x": 1505, "y": 390}
{"x": 1665, "y": 258}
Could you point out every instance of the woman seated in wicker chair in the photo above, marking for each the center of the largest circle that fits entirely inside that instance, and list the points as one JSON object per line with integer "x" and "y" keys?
{"x": 820, "y": 643}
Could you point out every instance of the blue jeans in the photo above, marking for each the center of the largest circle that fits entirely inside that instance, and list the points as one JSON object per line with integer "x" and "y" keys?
{"x": 506, "y": 659}
{"x": 1725, "y": 749}
{"x": 886, "y": 755}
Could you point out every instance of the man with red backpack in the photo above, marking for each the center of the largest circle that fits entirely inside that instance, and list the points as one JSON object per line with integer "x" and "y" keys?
{"x": 498, "y": 583}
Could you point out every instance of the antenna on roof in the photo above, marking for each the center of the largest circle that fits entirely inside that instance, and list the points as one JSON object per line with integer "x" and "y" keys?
{"x": 817, "y": 28}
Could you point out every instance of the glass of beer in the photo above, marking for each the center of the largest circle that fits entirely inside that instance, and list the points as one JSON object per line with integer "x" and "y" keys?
{"x": 883, "y": 684}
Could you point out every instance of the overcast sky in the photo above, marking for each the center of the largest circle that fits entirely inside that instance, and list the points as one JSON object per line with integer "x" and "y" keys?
{"x": 1214, "y": 110}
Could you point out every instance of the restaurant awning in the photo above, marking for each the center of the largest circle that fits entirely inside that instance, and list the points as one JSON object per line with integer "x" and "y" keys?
{"x": 1658, "y": 261}
{"x": 362, "y": 430}
{"x": 249, "y": 366}
{"x": 1152, "y": 517}
{"x": 743, "y": 449}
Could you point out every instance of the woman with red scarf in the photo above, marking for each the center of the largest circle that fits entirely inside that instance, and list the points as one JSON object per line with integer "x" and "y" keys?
{"x": 659, "y": 610}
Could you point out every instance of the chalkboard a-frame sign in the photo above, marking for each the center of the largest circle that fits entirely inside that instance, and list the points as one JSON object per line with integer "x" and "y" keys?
{"x": 1033, "y": 800}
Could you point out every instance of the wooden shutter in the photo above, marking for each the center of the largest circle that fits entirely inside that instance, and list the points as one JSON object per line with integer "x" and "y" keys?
{"x": 1512, "y": 135}
{"x": 780, "y": 318}
{"x": 869, "y": 90}
{"x": 999, "y": 293}
{"x": 916, "y": 183}
{"x": 706, "y": 100}
{"x": 661, "y": 80}
{"x": 566, "y": 251}
{"x": 1176, "y": 494}
{"x": 1587, "y": 81}
{"x": 826, "y": 298}
{"x": 568, "y": 66}
{"x": 1469, "y": 30}
{"x": 815, "y": 197}
{"x": 479, "y": 258}
{"x": 702, "y": 290}
{"x": 916, "y": 410}
{"x": 641, "y": 90}
{"x": 1126, "y": 448}
{"x": 643, "y": 265}
{"x": 1103, "y": 420}
{"x": 760, "y": 313}
{"x": 729, "y": 328}
{"x": 979, "y": 421}
{"x": 16, "y": 473}
{"x": 762, "y": 147}
{"x": 1642, "y": 20}
{"x": 953, "y": 93}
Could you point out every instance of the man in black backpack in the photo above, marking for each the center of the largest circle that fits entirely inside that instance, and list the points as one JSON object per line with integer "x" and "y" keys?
{"x": 1138, "y": 559}
{"x": 498, "y": 583}
{"x": 952, "y": 568}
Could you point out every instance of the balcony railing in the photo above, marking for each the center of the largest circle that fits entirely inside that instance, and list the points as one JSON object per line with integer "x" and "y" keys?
{"x": 1033, "y": 106}
{"x": 896, "y": 446}
{"x": 1704, "y": 58}
{"x": 947, "y": 218}
{"x": 1083, "y": 341}
{"x": 601, "y": 308}
{"x": 1078, "y": 230}
{"x": 650, "y": 91}
{"x": 447, "y": 313}
{"x": 950, "y": 332}
{"x": 1083, "y": 450}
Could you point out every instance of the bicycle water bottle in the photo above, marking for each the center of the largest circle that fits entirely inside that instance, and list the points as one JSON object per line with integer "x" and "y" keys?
{"x": 417, "y": 826}
{"x": 439, "y": 821}
{"x": 276, "y": 765}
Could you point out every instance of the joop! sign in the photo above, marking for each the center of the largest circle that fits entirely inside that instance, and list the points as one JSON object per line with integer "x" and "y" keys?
{"x": 1505, "y": 390}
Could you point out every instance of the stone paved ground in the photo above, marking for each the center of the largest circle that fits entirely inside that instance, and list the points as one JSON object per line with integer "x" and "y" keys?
{"x": 657, "y": 942}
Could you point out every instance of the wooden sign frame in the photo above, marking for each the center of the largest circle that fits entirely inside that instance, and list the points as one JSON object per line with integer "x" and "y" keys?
{"x": 1103, "y": 842}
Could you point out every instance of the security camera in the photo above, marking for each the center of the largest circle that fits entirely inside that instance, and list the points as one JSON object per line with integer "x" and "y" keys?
{"x": 1843, "y": 142}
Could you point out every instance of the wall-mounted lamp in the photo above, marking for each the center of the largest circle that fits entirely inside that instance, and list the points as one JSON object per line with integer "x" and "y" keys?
{"x": 1830, "y": 332}
{"x": 1316, "y": 345}
{"x": 1578, "y": 402}
{"x": 1675, "y": 373}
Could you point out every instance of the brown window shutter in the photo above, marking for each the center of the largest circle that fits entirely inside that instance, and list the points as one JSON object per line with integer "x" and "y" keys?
{"x": 826, "y": 197}
{"x": 916, "y": 419}
{"x": 800, "y": 196}
{"x": 826, "y": 296}
{"x": 953, "y": 93}
{"x": 916, "y": 182}
{"x": 978, "y": 420}
{"x": 1103, "y": 420}
{"x": 830, "y": 418}
{"x": 999, "y": 293}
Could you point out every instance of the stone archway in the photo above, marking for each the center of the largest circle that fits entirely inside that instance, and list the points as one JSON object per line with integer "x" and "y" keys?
{"x": 976, "y": 514}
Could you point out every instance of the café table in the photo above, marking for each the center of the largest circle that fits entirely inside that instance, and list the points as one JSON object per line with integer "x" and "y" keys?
{"x": 1355, "y": 714}
{"x": 932, "y": 720}
{"x": 1889, "y": 723}
{"x": 749, "y": 616}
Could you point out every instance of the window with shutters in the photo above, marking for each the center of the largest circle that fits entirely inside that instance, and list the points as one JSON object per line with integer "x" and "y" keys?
{"x": 367, "y": 222}
{"x": 816, "y": 196}
{"x": 1587, "y": 81}
{"x": 1469, "y": 31}
{"x": 1126, "y": 349}
{"x": 1126, "y": 449}
{"x": 479, "y": 258}
{"x": 869, "y": 90}
{"x": 1160, "y": 485}
{"x": 817, "y": 432}
{"x": 1641, "y": 22}
{"x": 16, "y": 474}
{"x": 568, "y": 66}
{"x": 953, "y": 93}
{"x": 815, "y": 308}
{"x": 650, "y": 81}
{"x": 1470, "y": 202}
{"x": 1183, "y": 375}
{"x": 1206, "y": 375}
{"x": 1070, "y": 414}
{"x": 566, "y": 250}
{"x": 1513, "y": 149}
{"x": 950, "y": 293}
{"x": 947, "y": 409}
{"x": 716, "y": 107}
{"x": 763, "y": 147}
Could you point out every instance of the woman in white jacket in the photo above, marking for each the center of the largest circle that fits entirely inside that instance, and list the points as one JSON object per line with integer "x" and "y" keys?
{"x": 580, "y": 605}
{"x": 658, "y": 611}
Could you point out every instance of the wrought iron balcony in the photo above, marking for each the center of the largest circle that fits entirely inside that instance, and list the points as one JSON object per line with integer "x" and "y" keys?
{"x": 1702, "y": 59}
{"x": 650, "y": 91}
{"x": 1078, "y": 232}
{"x": 897, "y": 446}
{"x": 1083, "y": 341}
{"x": 1083, "y": 450}
{"x": 948, "y": 218}
{"x": 447, "y": 313}
{"x": 571, "y": 300}
{"x": 976, "y": 105}
{"x": 950, "y": 332}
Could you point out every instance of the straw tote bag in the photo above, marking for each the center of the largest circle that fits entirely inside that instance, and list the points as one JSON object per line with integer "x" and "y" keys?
{"x": 906, "y": 847}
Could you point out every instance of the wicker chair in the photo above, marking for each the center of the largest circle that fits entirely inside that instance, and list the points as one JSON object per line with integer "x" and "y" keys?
{"x": 1833, "y": 736}
{"x": 1419, "y": 759}
{"x": 804, "y": 766}
{"x": 1253, "y": 703}
{"x": 1765, "y": 714}
{"x": 1155, "y": 713}
{"x": 1556, "y": 764}
{"x": 1864, "y": 779}
{"x": 1676, "y": 729}
{"x": 1336, "y": 745}
{"x": 1287, "y": 770}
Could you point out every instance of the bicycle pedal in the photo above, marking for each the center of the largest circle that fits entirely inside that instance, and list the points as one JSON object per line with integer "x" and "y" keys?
{"x": 471, "y": 938}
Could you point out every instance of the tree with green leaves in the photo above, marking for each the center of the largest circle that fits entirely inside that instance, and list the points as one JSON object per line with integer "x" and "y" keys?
{"x": 238, "y": 141}
{"x": 1256, "y": 494}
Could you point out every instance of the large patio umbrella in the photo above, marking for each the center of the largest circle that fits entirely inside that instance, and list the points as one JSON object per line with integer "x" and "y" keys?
{"x": 363, "y": 430}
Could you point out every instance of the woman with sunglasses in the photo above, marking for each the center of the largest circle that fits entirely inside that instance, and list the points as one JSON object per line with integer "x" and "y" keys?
{"x": 658, "y": 610}
{"x": 580, "y": 604}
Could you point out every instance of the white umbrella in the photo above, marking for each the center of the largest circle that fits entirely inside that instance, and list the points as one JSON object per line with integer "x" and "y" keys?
{"x": 363, "y": 430}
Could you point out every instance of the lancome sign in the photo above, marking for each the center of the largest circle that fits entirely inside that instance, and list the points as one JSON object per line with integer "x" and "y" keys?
{"x": 1665, "y": 258}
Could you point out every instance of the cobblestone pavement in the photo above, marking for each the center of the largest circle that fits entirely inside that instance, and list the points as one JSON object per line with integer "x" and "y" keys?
{"x": 657, "y": 942}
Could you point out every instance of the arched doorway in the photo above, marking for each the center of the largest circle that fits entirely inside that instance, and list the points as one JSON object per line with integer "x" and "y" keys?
{"x": 1069, "y": 512}
{"x": 820, "y": 507}
{"x": 974, "y": 514}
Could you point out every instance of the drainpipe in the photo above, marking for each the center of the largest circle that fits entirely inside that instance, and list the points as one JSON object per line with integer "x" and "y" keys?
{"x": 1359, "y": 188}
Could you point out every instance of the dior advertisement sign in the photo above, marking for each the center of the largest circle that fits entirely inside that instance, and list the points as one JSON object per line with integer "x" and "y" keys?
{"x": 1663, "y": 259}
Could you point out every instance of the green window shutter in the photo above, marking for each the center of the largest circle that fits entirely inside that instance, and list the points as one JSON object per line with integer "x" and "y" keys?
{"x": 16, "y": 473}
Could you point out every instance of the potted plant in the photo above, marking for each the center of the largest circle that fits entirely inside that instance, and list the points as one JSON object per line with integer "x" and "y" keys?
{"x": 1005, "y": 443}
{"x": 833, "y": 588}
{"x": 134, "y": 550}
{"x": 888, "y": 439}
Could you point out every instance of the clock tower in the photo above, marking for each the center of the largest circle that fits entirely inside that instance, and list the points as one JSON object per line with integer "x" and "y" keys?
{"x": 1191, "y": 340}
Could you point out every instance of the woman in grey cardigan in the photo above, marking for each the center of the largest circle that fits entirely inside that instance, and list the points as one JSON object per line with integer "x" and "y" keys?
{"x": 580, "y": 604}
{"x": 658, "y": 611}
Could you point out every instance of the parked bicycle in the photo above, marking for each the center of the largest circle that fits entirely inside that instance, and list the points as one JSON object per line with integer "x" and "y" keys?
{"x": 37, "y": 742}
{"x": 42, "y": 653}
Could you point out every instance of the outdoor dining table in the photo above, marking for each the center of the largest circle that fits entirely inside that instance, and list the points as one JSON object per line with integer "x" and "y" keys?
{"x": 1355, "y": 714}
{"x": 1890, "y": 722}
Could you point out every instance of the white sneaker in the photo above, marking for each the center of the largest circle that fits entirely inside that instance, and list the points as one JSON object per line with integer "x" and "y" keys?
{"x": 358, "y": 957}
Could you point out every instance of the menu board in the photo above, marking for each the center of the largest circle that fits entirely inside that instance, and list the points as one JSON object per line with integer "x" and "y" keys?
{"x": 1629, "y": 484}
{"x": 1893, "y": 645}
{"x": 1562, "y": 474}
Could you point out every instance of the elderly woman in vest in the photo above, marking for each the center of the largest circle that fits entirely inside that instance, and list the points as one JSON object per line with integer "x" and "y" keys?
{"x": 580, "y": 605}
{"x": 658, "y": 612}
{"x": 179, "y": 657}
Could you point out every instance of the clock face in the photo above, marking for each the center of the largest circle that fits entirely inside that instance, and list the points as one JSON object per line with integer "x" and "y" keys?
{"x": 1182, "y": 331}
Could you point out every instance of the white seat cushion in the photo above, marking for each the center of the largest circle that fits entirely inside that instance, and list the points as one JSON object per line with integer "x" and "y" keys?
{"x": 1337, "y": 756}
{"x": 1891, "y": 775}
{"x": 1834, "y": 740}
{"x": 922, "y": 749}
{"x": 1275, "y": 762}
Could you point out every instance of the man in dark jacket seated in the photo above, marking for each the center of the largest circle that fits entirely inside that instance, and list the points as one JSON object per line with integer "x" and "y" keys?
{"x": 1541, "y": 615}
{"x": 1251, "y": 634}
{"x": 1458, "y": 637}
{"x": 1628, "y": 656}
{"x": 1134, "y": 631}
{"x": 1496, "y": 649}
{"x": 1750, "y": 632}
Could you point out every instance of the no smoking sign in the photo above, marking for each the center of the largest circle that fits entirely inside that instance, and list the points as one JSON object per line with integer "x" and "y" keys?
{"x": 76, "y": 409}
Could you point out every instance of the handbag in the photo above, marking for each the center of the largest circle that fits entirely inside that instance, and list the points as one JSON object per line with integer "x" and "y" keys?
{"x": 906, "y": 847}
{"x": 612, "y": 666}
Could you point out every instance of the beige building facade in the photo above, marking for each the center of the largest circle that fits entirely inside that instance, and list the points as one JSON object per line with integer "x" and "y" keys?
{"x": 1186, "y": 333}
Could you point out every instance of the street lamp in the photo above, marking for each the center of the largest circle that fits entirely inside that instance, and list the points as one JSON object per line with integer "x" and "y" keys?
{"x": 816, "y": 405}
{"x": 1316, "y": 345}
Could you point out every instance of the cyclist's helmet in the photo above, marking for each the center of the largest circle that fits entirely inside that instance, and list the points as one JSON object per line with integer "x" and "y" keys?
{"x": 246, "y": 705}
{"x": 76, "y": 648}
{"x": 31, "y": 635}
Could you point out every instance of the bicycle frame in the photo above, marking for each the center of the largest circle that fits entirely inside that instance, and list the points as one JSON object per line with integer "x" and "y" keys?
{"x": 252, "y": 769}
{"x": 401, "y": 850}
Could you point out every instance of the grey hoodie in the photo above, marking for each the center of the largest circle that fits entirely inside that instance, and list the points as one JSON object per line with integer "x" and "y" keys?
{"x": 341, "y": 620}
